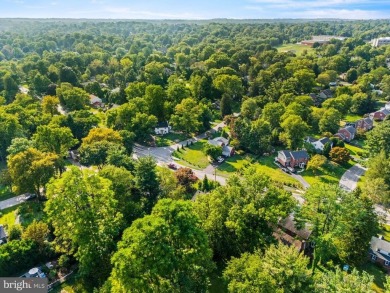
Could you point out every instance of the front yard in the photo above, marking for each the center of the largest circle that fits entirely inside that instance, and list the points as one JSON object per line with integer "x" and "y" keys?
{"x": 330, "y": 173}
{"x": 238, "y": 163}
{"x": 193, "y": 155}
{"x": 169, "y": 139}
{"x": 27, "y": 212}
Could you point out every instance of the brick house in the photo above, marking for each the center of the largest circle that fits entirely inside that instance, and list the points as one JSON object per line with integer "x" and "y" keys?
{"x": 380, "y": 115}
{"x": 347, "y": 133}
{"x": 379, "y": 252}
{"x": 364, "y": 124}
{"x": 292, "y": 158}
{"x": 287, "y": 233}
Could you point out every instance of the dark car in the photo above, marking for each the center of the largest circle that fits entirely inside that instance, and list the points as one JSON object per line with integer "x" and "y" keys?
{"x": 30, "y": 196}
{"x": 172, "y": 166}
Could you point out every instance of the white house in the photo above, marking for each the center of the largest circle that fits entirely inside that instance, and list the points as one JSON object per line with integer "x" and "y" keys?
{"x": 319, "y": 144}
{"x": 227, "y": 150}
{"x": 162, "y": 128}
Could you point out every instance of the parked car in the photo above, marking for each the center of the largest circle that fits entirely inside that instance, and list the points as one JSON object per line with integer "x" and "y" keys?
{"x": 30, "y": 196}
{"x": 220, "y": 159}
{"x": 172, "y": 166}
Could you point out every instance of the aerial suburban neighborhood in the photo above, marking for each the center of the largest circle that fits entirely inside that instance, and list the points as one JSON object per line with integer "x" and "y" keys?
{"x": 199, "y": 155}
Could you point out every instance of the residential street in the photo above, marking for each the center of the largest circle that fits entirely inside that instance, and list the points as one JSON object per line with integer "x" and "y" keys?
{"x": 12, "y": 201}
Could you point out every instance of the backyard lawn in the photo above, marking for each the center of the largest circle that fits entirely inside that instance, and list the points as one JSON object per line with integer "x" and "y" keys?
{"x": 169, "y": 139}
{"x": 193, "y": 156}
{"x": 296, "y": 48}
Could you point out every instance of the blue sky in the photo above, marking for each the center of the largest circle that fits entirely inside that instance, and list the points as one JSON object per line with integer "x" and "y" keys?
{"x": 196, "y": 9}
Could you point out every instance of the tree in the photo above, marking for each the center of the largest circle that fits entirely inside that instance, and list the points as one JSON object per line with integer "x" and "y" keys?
{"x": 81, "y": 122}
{"x": 174, "y": 228}
{"x": 37, "y": 232}
{"x": 230, "y": 85}
{"x": 54, "y": 139}
{"x": 279, "y": 269}
{"x": 212, "y": 151}
{"x": 379, "y": 139}
{"x": 49, "y": 104}
{"x": 342, "y": 224}
{"x": 385, "y": 85}
{"x": 18, "y": 145}
{"x": 155, "y": 97}
{"x": 9, "y": 129}
{"x": 352, "y": 75}
{"x": 339, "y": 155}
{"x": 31, "y": 170}
{"x": 249, "y": 109}
{"x": 102, "y": 134}
{"x": 330, "y": 121}
{"x": 187, "y": 116}
{"x": 378, "y": 179}
{"x": 73, "y": 98}
{"x": 233, "y": 225}
{"x": 339, "y": 281}
{"x": 272, "y": 113}
{"x": 362, "y": 104}
{"x": 15, "y": 232}
{"x": 186, "y": 178}
{"x": 146, "y": 181}
{"x": 10, "y": 87}
{"x": 316, "y": 162}
{"x": 135, "y": 90}
{"x": 295, "y": 130}
{"x": 85, "y": 201}
{"x": 226, "y": 105}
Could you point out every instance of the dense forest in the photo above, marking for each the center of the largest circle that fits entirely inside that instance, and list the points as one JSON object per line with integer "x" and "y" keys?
{"x": 127, "y": 224}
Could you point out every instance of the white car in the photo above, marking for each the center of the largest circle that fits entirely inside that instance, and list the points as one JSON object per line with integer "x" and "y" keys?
{"x": 220, "y": 159}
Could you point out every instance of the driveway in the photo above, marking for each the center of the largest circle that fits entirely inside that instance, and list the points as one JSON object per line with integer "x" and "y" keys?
{"x": 350, "y": 178}
{"x": 12, "y": 201}
{"x": 302, "y": 180}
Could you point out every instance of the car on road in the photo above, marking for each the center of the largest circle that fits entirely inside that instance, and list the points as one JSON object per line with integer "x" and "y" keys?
{"x": 30, "y": 196}
{"x": 172, "y": 166}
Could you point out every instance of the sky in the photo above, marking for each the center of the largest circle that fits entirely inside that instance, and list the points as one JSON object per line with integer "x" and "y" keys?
{"x": 196, "y": 9}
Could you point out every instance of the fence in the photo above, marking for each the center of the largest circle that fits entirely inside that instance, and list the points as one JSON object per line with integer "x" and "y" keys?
{"x": 51, "y": 286}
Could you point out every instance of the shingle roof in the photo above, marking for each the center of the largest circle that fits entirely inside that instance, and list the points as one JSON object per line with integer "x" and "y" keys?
{"x": 299, "y": 155}
{"x": 310, "y": 139}
{"x": 162, "y": 124}
{"x": 324, "y": 140}
{"x": 287, "y": 154}
{"x": 380, "y": 248}
{"x": 289, "y": 224}
{"x": 350, "y": 129}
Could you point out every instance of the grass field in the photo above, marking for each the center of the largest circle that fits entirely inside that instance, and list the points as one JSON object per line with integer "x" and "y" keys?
{"x": 169, "y": 139}
{"x": 352, "y": 117}
{"x": 330, "y": 173}
{"x": 297, "y": 49}
{"x": 193, "y": 156}
{"x": 355, "y": 150}
{"x": 8, "y": 216}
{"x": 238, "y": 163}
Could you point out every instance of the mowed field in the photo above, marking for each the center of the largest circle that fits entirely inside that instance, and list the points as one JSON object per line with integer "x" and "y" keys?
{"x": 295, "y": 48}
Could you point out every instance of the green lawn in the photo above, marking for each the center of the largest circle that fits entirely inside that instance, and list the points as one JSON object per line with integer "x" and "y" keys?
{"x": 355, "y": 150}
{"x": 352, "y": 117}
{"x": 8, "y": 216}
{"x": 238, "y": 163}
{"x": 386, "y": 232}
{"x": 193, "y": 156}
{"x": 169, "y": 139}
{"x": 330, "y": 173}
{"x": 28, "y": 211}
{"x": 297, "y": 49}
{"x": 5, "y": 193}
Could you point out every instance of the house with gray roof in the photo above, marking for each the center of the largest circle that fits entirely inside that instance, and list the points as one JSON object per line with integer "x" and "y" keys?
{"x": 319, "y": 144}
{"x": 379, "y": 252}
{"x": 222, "y": 142}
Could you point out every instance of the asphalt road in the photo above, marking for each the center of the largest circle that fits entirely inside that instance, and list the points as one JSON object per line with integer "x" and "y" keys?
{"x": 12, "y": 201}
{"x": 351, "y": 177}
